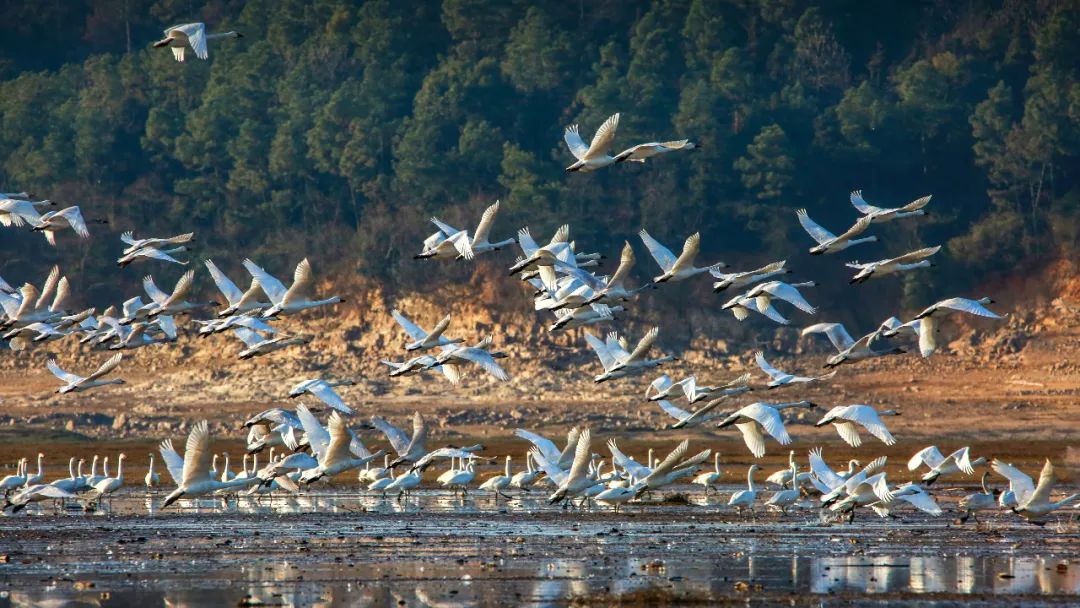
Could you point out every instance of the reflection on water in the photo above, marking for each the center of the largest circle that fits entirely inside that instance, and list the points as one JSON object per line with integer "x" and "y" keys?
{"x": 437, "y": 549}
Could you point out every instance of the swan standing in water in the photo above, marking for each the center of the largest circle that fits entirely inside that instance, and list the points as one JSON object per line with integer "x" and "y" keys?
{"x": 680, "y": 268}
{"x": 787, "y": 497}
{"x": 595, "y": 155}
{"x": 745, "y": 498}
{"x": 39, "y": 477}
{"x": 710, "y": 479}
{"x": 109, "y": 485}
{"x": 12, "y": 482}
{"x": 523, "y": 480}
{"x": 845, "y": 417}
{"x": 498, "y": 483}
{"x": 193, "y": 35}
{"x": 979, "y": 501}
{"x": 76, "y": 384}
{"x": 152, "y": 479}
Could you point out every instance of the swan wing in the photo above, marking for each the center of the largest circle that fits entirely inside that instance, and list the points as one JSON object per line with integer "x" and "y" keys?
{"x": 929, "y": 456}
{"x": 40, "y": 300}
{"x": 631, "y": 466}
{"x": 927, "y": 344}
{"x": 690, "y": 250}
{"x": 788, "y": 293}
{"x": 969, "y": 306}
{"x": 272, "y": 287}
{"x": 484, "y": 359}
{"x": 197, "y": 455}
{"x": 856, "y": 229}
{"x": 626, "y": 263}
{"x": 602, "y": 140}
{"x": 326, "y": 393}
{"x": 918, "y": 498}
{"x": 573, "y": 141}
{"x": 916, "y": 204}
{"x": 317, "y": 436}
{"x": 554, "y": 473}
{"x": 526, "y": 242}
{"x": 67, "y": 377}
{"x": 410, "y": 328}
{"x": 765, "y": 307}
{"x": 1019, "y": 482}
{"x": 545, "y": 445}
{"x": 572, "y": 437}
{"x": 675, "y": 412}
{"x": 660, "y": 385}
{"x": 863, "y": 207}
{"x": 848, "y": 432}
{"x": 446, "y": 229}
{"x": 644, "y": 345}
{"x": 869, "y": 419}
{"x": 75, "y": 219}
{"x": 174, "y": 464}
{"x": 835, "y": 332}
{"x": 822, "y": 471}
{"x": 337, "y": 449}
{"x": 248, "y": 337}
{"x": 581, "y": 455}
{"x": 661, "y": 254}
{"x": 752, "y": 437}
{"x": 196, "y": 36}
{"x": 814, "y": 229}
{"x": 397, "y": 438}
{"x": 483, "y": 229}
{"x": 302, "y": 282}
{"x": 769, "y": 418}
{"x": 962, "y": 457}
{"x": 106, "y": 367}
{"x": 1041, "y": 494}
{"x": 759, "y": 358}
{"x": 601, "y": 350}
{"x": 419, "y": 433}
{"x": 181, "y": 289}
{"x": 915, "y": 256}
{"x": 669, "y": 462}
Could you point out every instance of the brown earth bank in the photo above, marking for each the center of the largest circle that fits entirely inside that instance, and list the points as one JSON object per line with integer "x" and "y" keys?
{"x": 1006, "y": 382}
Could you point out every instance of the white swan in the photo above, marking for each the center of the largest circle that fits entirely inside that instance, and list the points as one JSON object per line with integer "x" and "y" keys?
{"x": 246, "y": 320}
{"x": 879, "y": 215}
{"x": 973, "y": 307}
{"x": 330, "y": 445}
{"x": 477, "y": 354}
{"x": 978, "y": 501}
{"x": 239, "y": 302}
{"x": 829, "y": 242}
{"x": 152, "y": 479}
{"x": 419, "y": 364}
{"x": 152, "y": 253}
{"x": 109, "y": 485}
{"x": 174, "y": 303}
{"x": 680, "y": 268}
{"x": 576, "y": 480}
{"x": 1033, "y": 504}
{"x": 561, "y": 458}
{"x": 180, "y": 37}
{"x": 618, "y": 362}
{"x": 523, "y": 480}
{"x": 685, "y": 419}
{"x": 848, "y": 349}
{"x": 908, "y": 261}
{"x": 421, "y": 339}
{"x": 192, "y": 472}
{"x": 258, "y": 345}
{"x": 39, "y": 477}
{"x": 959, "y": 461}
{"x": 780, "y": 378}
{"x": 12, "y": 482}
{"x": 911, "y": 493}
{"x": 480, "y": 243}
{"x": 324, "y": 391}
{"x": 54, "y": 221}
{"x": 36, "y": 493}
{"x": 16, "y": 212}
{"x": 845, "y": 417}
{"x": 461, "y": 478}
{"x": 671, "y": 469}
{"x": 409, "y": 449}
{"x": 614, "y": 288}
{"x": 787, "y": 497}
{"x": 498, "y": 483}
{"x": 557, "y": 250}
{"x": 296, "y": 298}
{"x": 404, "y": 483}
{"x": 76, "y": 384}
{"x": 583, "y": 317}
{"x": 745, "y": 498}
{"x": 642, "y": 152}
{"x": 758, "y": 418}
{"x": 742, "y": 279}
{"x": 709, "y": 479}
{"x": 595, "y": 155}
{"x": 924, "y": 329}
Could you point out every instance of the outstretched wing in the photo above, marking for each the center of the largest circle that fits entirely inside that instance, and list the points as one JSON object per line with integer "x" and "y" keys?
{"x": 317, "y": 436}
{"x": 302, "y": 282}
{"x": 173, "y": 462}
{"x": 601, "y": 350}
{"x": 689, "y": 251}
{"x": 673, "y": 411}
{"x": 575, "y": 143}
{"x": 864, "y": 207}
{"x": 329, "y": 396}
{"x": 397, "y": 438}
{"x": 106, "y": 367}
{"x": 644, "y": 345}
{"x": 915, "y": 256}
{"x": 272, "y": 287}
{"x": 605, "y": 135}
{"x": 759, "y": 358}
{"x": 410, "y": 328}
{"x": 67, "y": 377}
{"x": 227, "y": 288}
{"x": 661, "y": 254}
{"x": 836, "y": 332}
{"x": 545, "y": 445}
{"x": 197, "y": 454}
{"x": 812, "y": 228}
{"x": 483, "y": 229}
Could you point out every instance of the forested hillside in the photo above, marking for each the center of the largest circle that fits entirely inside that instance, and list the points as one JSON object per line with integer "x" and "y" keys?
{"x": 334, "y": 128}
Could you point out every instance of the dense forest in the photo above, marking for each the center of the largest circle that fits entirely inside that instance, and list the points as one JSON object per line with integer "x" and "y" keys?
{"x": 334, "y": 128}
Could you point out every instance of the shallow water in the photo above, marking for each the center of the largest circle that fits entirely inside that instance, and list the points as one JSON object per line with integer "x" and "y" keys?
{"x": 344, "y": 549}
